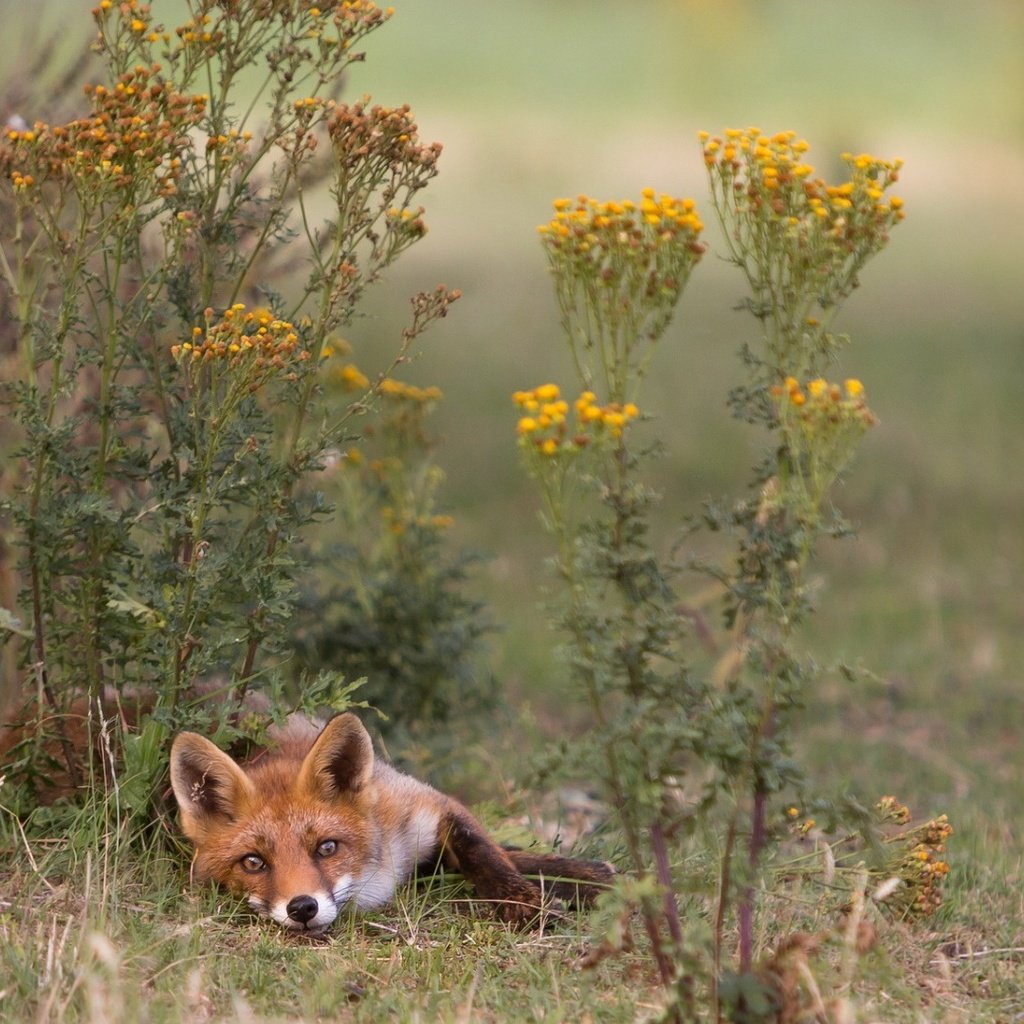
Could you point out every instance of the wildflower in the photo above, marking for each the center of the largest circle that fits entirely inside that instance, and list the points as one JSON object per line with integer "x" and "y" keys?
{"x": 620, "y": 266}
{"x": 786, "y": 224}
{"x": 546, "y": 427}
{"x": 351, "y": 378}
{"x": 396, "y": 390}
{"x": 132, "y": 142}
{"x": 387, "y": 134}
{"x": 821, "y": 424}
{"x": 917, "y": 865}
{"x": 828, "y": 407}
{"x": 253, "y": 344}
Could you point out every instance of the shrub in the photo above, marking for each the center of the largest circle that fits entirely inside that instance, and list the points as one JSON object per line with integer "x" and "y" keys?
{"x": 388, "y": 602}
{"x": 167, "y": 397}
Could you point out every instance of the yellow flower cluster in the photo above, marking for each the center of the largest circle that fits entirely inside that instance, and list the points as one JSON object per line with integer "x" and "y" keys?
{"x": 350, "y": 377}
{"x": 364, "y": 11}
{"x": 890, "y": 809}
{"x": 588, "y": 228}
{"x": 820, "y": 406}
{"x": 134, "y": 139}
{"x": 399, "y": 391}
{"x": 384, "y": 135}
{"x": 922, "y": 866}
{"x": 547, "y": 427}
{"x": 352, "y": 19}
{"x": 128, "y": 22}
{"x": 821, "y": 425}
{"x": 768, "y": 176}
{"x": 197, "y": 31}
{"x": 230, "y": 146}
{"x": 619, "y": 270}
{"x": 254, "y": 339}
{"x": 400, "y": 521}
{"x": 407, "y": 220}
{"x": 798, "y": 828}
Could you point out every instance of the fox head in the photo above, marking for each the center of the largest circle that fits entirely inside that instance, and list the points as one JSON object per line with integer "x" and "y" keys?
{"x": 289, "y": 832}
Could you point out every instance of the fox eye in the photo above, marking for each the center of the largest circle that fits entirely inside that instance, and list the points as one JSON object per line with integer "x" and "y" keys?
{"x": 327, "y": 848}
{"x": 252, "y": 863}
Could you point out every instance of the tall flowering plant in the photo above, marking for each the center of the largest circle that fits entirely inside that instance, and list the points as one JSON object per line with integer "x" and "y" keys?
{"x": 619, "y": 269}
{"x": 801, "y": 244}
{"x": 166, "y": 403}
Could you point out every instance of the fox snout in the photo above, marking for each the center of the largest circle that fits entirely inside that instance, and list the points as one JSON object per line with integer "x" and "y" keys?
{"x": 302, "y": 909}
{"x": 311, "y": 913}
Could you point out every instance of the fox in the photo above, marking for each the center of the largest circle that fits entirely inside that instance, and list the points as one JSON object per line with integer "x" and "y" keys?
{"x": 319, "y": 823}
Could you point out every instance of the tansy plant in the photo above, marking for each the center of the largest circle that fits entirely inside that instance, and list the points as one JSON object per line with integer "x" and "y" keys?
{"x": 800, "y": 243}
{"x": 388, "y": 602}
{"x": 166, "y": 400}
{"x": 619, "y": 269}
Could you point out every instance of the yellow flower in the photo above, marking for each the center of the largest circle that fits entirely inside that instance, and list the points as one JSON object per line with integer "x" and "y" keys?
{"x": 353, "y": 379}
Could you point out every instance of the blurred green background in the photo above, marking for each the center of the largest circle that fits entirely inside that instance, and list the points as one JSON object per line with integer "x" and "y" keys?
{"x": 535, "y": 100}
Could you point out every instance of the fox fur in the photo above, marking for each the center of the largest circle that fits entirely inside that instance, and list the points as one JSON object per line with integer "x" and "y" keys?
{"x": 320, "y": 823}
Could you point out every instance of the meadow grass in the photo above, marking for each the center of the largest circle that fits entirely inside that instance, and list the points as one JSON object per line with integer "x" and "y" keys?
{"x": 86, "y": 935}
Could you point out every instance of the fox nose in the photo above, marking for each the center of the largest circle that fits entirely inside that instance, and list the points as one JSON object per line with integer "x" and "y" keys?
{"x": 302, "y": 908}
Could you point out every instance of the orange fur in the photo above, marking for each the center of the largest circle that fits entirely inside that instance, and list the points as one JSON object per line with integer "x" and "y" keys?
{"x": 320, "y": 823}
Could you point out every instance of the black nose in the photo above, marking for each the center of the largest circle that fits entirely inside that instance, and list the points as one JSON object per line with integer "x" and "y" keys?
{"x": 302, "y": 908}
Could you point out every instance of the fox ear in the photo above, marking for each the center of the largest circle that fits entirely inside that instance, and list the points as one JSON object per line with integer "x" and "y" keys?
{"x": 340, "y": 761}
{"x": 207, "y": 782}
